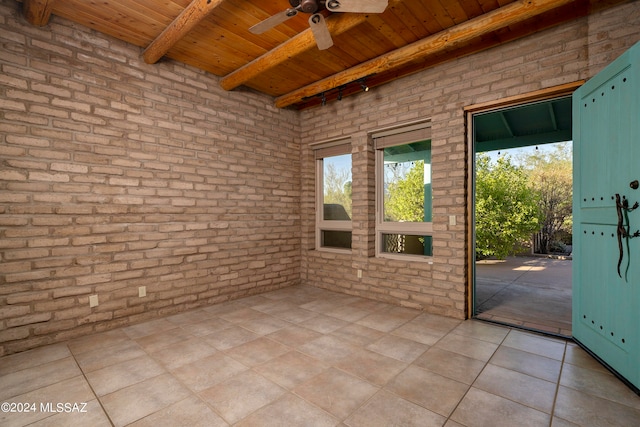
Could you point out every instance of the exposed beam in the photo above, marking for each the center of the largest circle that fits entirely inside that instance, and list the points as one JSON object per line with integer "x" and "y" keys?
{"x": 37, "y": 12}
{"x": 552, "y": 116}
{"x": 506, "y": 124}
{"x": 338, "y": 23}
{"x": 185, "y": 22}
{"x": 437, "y": 43}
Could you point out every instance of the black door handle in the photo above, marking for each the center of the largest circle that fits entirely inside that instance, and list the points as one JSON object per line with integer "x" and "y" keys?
{"x": 623, "y": 230}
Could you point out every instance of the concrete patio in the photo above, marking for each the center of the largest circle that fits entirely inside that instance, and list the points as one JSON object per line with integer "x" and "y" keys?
{"x": 531, "y": 292}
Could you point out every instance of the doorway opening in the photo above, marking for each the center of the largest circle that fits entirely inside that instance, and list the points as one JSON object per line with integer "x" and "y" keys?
{"x": 522, "y": 215}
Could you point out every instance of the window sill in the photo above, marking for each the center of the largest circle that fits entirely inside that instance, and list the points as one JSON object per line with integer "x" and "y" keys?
{"x": 408, "y": 258}
{"x": 334, "y": 250}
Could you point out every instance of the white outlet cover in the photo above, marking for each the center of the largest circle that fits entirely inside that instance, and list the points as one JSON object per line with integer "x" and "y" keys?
{"x": 93, "y": 300}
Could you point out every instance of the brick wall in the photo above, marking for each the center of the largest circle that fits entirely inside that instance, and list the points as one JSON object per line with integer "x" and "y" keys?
{"x": 560, "y": 55}
{"x": 115, "y": 174}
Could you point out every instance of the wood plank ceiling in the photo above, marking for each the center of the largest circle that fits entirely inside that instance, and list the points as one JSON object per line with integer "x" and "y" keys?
{"x": 285, "y": 63}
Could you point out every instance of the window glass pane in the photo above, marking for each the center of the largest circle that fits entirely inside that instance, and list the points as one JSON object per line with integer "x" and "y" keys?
{"x": 336, "y": 239}
{"x": 407, "y": 244}
{"x": 337, "y": 188}
{"x": 407, "y": 182}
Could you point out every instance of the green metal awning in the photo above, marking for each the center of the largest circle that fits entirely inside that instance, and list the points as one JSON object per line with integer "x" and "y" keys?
{"x": 532, "y": 124}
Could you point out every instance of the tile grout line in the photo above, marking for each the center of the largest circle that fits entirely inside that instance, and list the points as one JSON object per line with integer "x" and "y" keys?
{"x": 249, "y": 368}
{"x": 379, "y": 388}
{"x": 148, "y": 354}
{"x": 84, "y": 375}
{"x": 476, "y": 378}
{"x": 182, "y": 383}
{"x": 292, "y": 391}
{"x": 555, "y": 395}
{"x": 382, "y": 388}
{"x": 331, "y": 366}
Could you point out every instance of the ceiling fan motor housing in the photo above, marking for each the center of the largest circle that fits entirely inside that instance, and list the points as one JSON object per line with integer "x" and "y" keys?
{"x": 307, "y": 6}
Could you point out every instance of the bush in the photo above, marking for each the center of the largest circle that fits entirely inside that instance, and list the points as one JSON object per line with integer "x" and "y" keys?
{"x": 507, "y": 209}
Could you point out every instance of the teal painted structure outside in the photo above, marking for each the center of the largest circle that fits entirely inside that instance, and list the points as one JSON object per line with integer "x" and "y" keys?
{"x": 536, "y": 123}
{"x": 606, "y": 133}
{"x": 413, "y": 152}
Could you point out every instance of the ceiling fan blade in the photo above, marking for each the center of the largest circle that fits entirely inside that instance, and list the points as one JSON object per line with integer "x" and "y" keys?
{"x": 272, "y": 21}
{"x": 357, "y": 6}
{"x": 320, "y": 31}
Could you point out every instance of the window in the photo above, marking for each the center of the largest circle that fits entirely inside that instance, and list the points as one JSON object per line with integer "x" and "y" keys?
{"x": 403, "y": 191}
{"x": 333, "y": 189}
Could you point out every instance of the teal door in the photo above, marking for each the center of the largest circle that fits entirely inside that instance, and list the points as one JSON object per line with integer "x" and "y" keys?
{"x": 606, "y": 266}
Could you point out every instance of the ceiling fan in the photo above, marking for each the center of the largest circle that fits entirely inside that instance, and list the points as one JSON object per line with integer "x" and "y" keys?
{"x": 316, "y": 20}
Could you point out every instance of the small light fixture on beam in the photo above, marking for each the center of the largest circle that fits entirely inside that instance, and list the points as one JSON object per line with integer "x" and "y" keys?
{"x": 363, "y": 84}
{"x": 341, "y": 90}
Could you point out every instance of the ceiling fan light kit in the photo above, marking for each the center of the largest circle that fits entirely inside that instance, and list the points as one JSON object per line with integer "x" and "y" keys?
{"x": 317, "y": 22}
{"x": 306, "y": 6}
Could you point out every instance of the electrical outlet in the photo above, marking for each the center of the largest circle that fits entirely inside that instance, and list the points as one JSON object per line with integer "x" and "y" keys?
{"x": 359, "y": 274}
{"x": 142, "y": 291}
{"x": 93, "y": 301}
{"x": 452, "y": 220}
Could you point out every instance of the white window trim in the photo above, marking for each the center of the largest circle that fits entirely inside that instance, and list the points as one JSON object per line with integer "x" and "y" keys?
{"x": 321, "y": 223}
{"x": 386, "y": 227}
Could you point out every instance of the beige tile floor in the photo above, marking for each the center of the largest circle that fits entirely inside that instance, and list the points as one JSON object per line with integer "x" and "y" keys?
{"x": 307, "y": 357}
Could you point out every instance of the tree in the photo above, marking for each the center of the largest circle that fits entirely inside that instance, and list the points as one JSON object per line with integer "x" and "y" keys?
{"x": 551, "y": 176}
{"x": 337, "y": 187}
{"x": 507, "y": 210}
{"x": 405, "y": 196}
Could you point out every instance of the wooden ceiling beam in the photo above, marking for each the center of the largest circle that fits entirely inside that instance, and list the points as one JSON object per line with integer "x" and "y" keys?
{"x": 437, "y": 43}
{"x": 37, "y": 12}
{"x": 191, "y": 16}
{"x": 338, "y": 23}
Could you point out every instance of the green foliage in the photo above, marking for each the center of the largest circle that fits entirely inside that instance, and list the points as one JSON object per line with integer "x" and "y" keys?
{"x": 405, "y": 196}
{"x": 551, "y": 176}
{"x": 507, "y": 210}
{"x": 348, "y": 189}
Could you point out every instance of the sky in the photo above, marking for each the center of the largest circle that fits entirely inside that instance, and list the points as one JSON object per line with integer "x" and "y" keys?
{"x": 516, "y": 153}
{"x": 344, "y": 162}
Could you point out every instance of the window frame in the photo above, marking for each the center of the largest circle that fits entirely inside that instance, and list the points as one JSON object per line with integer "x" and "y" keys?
{"x": 382, "y": 139}
{"x": 321, "y": 151}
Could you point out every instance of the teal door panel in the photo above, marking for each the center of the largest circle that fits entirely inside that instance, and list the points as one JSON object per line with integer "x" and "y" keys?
{"x": 606, "y": 282}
